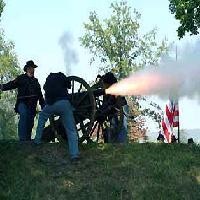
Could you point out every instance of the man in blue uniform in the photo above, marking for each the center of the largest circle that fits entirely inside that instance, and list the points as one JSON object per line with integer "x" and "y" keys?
{"x": 29, "y": 92}
{"x": 108, "y": 108}
{"x": 57, "y": 103}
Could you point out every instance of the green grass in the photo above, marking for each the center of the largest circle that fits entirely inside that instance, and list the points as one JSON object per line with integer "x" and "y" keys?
{"x": 133, "y": 171}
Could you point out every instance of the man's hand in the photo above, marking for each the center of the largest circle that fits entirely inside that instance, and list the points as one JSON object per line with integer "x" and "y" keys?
{"x": 100, "y": 116}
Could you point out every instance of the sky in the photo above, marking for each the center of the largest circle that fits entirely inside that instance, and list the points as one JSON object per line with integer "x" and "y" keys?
{"x": 38, "y": 28}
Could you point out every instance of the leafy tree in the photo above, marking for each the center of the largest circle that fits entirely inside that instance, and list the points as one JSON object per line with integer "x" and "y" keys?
{"x": 2, "y": 4}
{"x": 119, "y": 46}
{"x": 188, "y": 14}
{"x": 118, "y": 43}
{"x": 9, "y": 69}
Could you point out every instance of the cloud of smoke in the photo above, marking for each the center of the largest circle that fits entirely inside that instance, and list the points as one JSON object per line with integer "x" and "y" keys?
{"x": 70, "y": 55}
{"x": 180, "y": 78}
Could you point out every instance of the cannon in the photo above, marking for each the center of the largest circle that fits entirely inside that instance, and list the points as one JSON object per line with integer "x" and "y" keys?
{"x": 91, "y": 123}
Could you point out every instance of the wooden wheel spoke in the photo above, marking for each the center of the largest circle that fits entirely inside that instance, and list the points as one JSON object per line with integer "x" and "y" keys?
{"x": 81, "y": 85}
{"x": 81, "y": 99}
{"x": 98, "y": 131}
{"x": 82, "y": 107}
{"x": 84, "y": 104}
{"x": 82, "y": 125}
{"x": 80, "y": 115}
{"x": 93, "y": 129}
{"x": 77, "y": 119}
{"x": 72, "y": 90}
{"x": 79, "y": 129}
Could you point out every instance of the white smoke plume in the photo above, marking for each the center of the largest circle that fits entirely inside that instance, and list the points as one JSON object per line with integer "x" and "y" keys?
{"x": 70, "y": 55}
{"x": 180, "y": 78}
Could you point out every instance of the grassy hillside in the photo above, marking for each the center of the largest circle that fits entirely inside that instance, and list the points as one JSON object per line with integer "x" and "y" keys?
{"x": 134, "y": 171}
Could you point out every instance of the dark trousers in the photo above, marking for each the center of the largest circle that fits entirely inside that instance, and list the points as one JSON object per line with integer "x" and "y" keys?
{"x": 26, "y": 122}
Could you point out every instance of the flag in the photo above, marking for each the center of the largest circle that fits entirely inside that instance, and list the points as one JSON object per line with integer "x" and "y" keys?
{"x": 175, "y": 114}
{"x": 170, "y": 120}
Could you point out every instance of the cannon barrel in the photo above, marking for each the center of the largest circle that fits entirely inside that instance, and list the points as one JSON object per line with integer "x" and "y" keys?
{"x": 99, "y": 92}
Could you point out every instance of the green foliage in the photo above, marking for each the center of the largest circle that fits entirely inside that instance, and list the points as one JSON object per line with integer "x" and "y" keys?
{"x": 9, "y": 69}
{"x": 2, "y": 4}
{"x": 120, "y": 46}
{"x": 154, "y": 111}
{"x": 116, "y": 41}
{"x": 133, "y": 171}
{"x": 188, "y": 14}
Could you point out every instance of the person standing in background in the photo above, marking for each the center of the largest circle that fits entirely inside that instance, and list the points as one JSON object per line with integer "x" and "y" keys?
{"x": 29, "y": 93}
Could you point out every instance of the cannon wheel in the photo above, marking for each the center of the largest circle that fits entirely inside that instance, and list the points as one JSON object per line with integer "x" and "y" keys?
{"x": 82, "y": 99}
{"x": 98, "y": 131}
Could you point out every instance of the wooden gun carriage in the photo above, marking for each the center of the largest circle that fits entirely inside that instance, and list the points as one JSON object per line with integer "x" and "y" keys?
{"x": 86, "y": 101}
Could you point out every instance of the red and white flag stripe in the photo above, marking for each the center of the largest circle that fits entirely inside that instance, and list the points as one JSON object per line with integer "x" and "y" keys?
{"x": 176, "y": 114}
{"x": 170, "y": 120}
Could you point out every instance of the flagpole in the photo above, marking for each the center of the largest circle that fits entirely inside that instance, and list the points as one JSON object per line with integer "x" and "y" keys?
{"x": 178, "y": 104}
